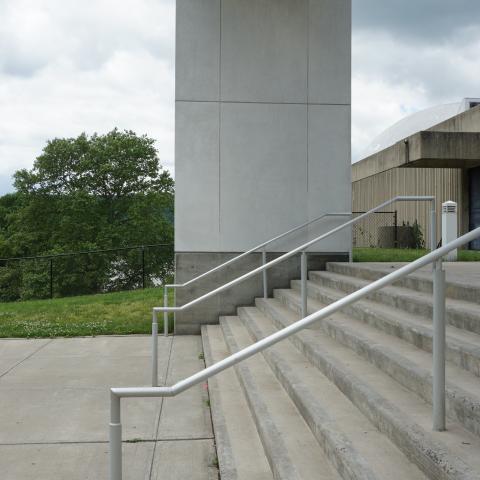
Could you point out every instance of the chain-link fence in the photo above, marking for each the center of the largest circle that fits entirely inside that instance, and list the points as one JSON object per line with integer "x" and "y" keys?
{"x": 84, "y": 273}
{"x": 383, "y": 230}
{"x": 380, "y": 229}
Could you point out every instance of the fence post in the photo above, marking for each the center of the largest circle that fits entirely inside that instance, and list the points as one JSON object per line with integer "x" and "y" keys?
{"x": 395, "y": 231}
{"x": 143, "y": 268}
{"x": 51, "y": 278}
{"x": 438, "y": 394}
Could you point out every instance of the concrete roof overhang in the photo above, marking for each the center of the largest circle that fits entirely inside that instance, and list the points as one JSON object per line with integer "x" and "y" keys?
{"x": 425, "y": 149}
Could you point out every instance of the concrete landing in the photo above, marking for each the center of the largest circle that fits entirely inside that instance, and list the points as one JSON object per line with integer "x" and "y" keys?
{"x": 461, "y": 273}
{"x": 55, "y": 409}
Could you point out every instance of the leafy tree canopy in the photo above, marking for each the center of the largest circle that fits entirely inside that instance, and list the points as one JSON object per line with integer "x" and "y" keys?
{"x": 87, "y": 193}
{"x": 110, "y": 166}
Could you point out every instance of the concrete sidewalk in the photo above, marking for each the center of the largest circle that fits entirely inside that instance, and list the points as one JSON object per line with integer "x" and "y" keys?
{"x": 55, "y": 410}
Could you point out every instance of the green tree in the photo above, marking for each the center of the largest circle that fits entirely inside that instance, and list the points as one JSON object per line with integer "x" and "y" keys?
{"x": 88, "y": 193}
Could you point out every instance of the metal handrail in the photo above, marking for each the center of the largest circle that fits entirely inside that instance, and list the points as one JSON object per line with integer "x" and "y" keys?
{"x": 291, "y": 253}
{"x": 242, "y": 255}
{"x": 256, "y": 248}
{"x": 265, "y": 266}
{"x": 434, "y": 257}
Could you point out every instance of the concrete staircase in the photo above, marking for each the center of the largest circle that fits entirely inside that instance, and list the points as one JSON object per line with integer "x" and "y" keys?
{"x": 349, "y": 398}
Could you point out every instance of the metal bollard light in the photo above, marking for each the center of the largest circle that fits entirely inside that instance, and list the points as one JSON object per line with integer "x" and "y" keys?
{"x": 438, "y": 394}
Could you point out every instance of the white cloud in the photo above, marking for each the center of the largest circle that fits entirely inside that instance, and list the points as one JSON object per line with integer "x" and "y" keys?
{"x": 393, "y": 77}
{"x": 68, "y": 67}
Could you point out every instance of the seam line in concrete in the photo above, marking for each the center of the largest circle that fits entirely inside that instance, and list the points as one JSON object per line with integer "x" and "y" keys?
{"x": 26, "y": 358}
{"x": 220, "y": 40}
{"x": 161, "y": 409}
{"x": 308, "y": 100}
{"x": 264, "y": 102}
{"x": 105, "y": 442}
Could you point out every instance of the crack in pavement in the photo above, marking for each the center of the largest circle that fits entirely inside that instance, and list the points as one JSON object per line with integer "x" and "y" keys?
{"x": 26, "y": 358}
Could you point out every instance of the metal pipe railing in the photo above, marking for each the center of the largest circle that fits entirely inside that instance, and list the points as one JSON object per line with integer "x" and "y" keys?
{"x": 438, "y": 394}
{"x": 265, "y": 266}
{"x": 262, "y": 246}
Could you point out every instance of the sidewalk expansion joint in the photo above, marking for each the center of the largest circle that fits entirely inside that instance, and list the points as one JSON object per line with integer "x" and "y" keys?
{"x": 105, "y": 442}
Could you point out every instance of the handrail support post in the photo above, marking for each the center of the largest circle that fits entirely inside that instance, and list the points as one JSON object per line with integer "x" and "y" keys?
{"x": 438, "y": 394}
{"x": 165, "y": 314}
{"x": 303, "y": 276}
{"x": 154, "y": 349}
{"x": 115, "y": 435}
{"x": 264, "y": 274}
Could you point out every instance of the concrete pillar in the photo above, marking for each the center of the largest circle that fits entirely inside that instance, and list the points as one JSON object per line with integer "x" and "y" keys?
{"x": 262, "y": 137}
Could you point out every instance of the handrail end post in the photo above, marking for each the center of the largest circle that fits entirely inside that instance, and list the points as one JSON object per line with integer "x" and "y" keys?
{"x": 438, "y": 394}
{"x": 115, "y": 438}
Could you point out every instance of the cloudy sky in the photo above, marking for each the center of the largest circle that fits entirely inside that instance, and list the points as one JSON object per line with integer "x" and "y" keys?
{"x": 68, "y": 66}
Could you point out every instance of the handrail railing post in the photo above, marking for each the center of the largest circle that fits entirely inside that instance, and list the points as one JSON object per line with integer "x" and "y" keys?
{"x": 165, "y": 314}
{"x": 264, "y": 274}
{"x": 438, "y": 394}
{"x": 303, "y": 276}
{"x": 154, "y": 349}
{"x": 115, "y": 433}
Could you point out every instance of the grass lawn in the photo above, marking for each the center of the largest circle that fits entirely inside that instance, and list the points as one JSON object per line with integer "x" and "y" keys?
{"x": 404, "y": 255}
{"x": 106, "y": 314}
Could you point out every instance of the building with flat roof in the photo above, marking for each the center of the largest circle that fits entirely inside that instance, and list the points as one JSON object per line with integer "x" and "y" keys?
{"x": 433, "y": 152}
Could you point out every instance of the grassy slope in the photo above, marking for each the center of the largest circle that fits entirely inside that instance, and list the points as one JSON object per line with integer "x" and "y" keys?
{"x": 404, "y": 255}
{"x": 107, "y": 314}
{"x": 125, "y": 313}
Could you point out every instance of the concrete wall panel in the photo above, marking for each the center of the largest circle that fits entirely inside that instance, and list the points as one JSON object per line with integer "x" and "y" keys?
{"x": 198, "y": 50}
{"x": 197, "y": 176}
{"x": 192, "y": 264}
{"x": 329, "y": 145}
{"x": 329, "y": 51}
{"x": 264, "y": 50}
{"x": 262, "y": 138}
{"x": 263, "y": 172}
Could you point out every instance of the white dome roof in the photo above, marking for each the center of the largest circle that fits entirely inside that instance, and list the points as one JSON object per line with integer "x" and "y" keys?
{"x": 412, "y": 124}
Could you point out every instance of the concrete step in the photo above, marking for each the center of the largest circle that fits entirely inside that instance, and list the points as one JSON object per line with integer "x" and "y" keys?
{"x": 289, "y": 445}
{"x": 463, "y": 347}
{"x": 351, "y": 442}
{"x": 420, "y": 281}
{"x": 405, "y": 363}
{"x": 396, "y": 411}
{"x": 239, "y": 449}
{"x": 459, "y": 313}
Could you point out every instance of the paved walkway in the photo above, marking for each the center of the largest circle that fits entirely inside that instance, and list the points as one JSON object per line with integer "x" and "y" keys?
{"x": 54, "y": 410}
